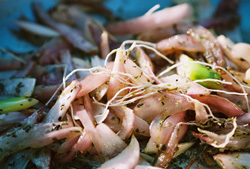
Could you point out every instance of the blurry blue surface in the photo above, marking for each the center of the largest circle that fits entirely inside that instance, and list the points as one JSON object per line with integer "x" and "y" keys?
{"x": 244, "y": 11}
{"x": 11, "y": 10}
{"x": 133, "y": 8}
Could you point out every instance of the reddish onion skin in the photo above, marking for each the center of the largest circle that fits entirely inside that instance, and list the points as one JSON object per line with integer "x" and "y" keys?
{"x": 134, "y": 70}
{"x": 166, "y": 157}
{"x": 220, "y": 104}
{"x": 146, "y": 64}
{"x": 214, "y": 53}
{"x": 179, "y": 43}
{"x": 88, "y": 123}
{"x": 96, "y": 6}
{"x": 141, "y": 127}
{"x": 161, "y": 129}
{"x": 111, "y": 147}
{"x": 202, "y": 137}
{"x": 66, "y": 146}
{"x": 91, "y": 82}
{"x": 9, "y": 64}
{"x": 83, "y": 144}
{"x": 165, "y": 17}
{"x": 238, "y": 143}
{"x": 128, "y": 122}
{"x": 158, "y": 34}
{"x": 114, "y": 83}
{"x": 66, "y": 59}
{"x": 167, "y": 103}
{"x": 43, "y": 93}
{"x": 50, "y": 52}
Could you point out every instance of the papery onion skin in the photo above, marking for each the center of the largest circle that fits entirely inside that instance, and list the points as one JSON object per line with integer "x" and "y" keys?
{"x": 127, "y": 159}
{"x": 155, "y": 20}
{"x": 42, "y": 134}
{"x": 179, "y": 43}
{"x": 71, "y": 34}
{"x": 233, "y": 160}
{"x": 59, "y": 109}
{"x": 220, "y": 104}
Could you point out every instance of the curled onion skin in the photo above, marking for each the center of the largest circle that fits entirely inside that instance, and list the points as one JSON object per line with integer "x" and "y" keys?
{"x": 220, "y": 104}
{"x": 83, "y": 144}
{"x": 92, "y": 81}
{"x": 166, "y": 103}
{"x": 213, "y": 54}
{"x": 128, "y": 123}
{"x": 179, "y": 43}
{"x": 158, "y": 34}
{"x": 114, "y": 83}
{"x": 59, "y": 109}
{"x": 127, "y": 159}
{"x": 161, "y": 129}
{"x": 166, "y": 157}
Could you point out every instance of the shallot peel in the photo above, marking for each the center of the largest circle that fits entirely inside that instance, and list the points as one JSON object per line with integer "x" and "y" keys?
{"x": 164, "y": 17}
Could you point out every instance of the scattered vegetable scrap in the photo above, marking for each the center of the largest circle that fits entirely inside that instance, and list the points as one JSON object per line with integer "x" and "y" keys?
{"x": 156, "y": 91}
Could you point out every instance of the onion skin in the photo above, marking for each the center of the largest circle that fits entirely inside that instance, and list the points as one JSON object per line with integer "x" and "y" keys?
{"x": 127, "y": 159}
{"x": 166, "y": 103}
{"x": 214, "y": 53}
{"x": 35, "y": 136}
{"x": 220, "y": 104}
{"x": 180, "y": 42}
{"x": 161, "y": 129}
{"x": 71, "y": 34}
{"x": 233, "y": 160}
{"x": 147, "y": 22}
{"x": 59, "y": 109}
